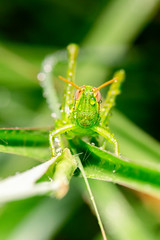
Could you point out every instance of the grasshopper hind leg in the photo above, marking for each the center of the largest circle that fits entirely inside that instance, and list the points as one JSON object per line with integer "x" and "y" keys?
{"x": 109, "y": 102}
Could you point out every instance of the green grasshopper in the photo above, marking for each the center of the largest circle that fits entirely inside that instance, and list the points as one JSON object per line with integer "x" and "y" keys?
{"x": 82, "y": 113}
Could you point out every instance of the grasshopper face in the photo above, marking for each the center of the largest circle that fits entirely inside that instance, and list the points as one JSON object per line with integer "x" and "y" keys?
{"x": 87, "y": 106}
{"x": 87, "y": 103}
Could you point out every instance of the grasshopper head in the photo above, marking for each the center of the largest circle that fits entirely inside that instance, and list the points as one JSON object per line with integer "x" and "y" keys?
{"x": 87, "y": 104}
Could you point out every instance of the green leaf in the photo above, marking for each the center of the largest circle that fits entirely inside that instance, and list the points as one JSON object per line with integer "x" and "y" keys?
{"x": 141, "y": 176}
{"x": 134, "y": 142}
{"x": 32, "y": 143}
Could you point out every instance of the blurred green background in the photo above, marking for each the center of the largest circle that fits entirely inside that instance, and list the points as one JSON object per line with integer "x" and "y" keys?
{"x": 126, "y": 35}
{"x": 32, "y": 29}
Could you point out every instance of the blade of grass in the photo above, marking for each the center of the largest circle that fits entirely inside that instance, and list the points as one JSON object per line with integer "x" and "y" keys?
{"x": 105, "y": 166}
{"x": 23, "y": 136}
{"x": 134, "y": 142}
{"x": 38, "y": 153}
{"x": 25, "y": 142}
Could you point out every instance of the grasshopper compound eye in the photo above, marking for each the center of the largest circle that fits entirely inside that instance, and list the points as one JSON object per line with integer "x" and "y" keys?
{"x": 79, "y": 92}
{"x": 96, "y": 90}
{"x": 97, "y": 94}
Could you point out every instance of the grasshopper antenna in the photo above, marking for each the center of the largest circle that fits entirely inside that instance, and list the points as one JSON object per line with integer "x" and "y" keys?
{"x": 67, "y": 81}
{"x": 105, "y": 84}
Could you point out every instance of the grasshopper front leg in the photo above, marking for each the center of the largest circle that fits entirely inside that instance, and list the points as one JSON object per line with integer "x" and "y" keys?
{"x": 55, "y": 133}
{"x": 108, "y": 136}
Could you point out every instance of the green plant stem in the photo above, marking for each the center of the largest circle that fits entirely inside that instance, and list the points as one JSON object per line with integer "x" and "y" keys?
{"x": 91, "y": 197}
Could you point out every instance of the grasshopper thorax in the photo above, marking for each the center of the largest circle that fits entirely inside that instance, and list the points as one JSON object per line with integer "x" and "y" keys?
{"x": 87, "y": 106}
